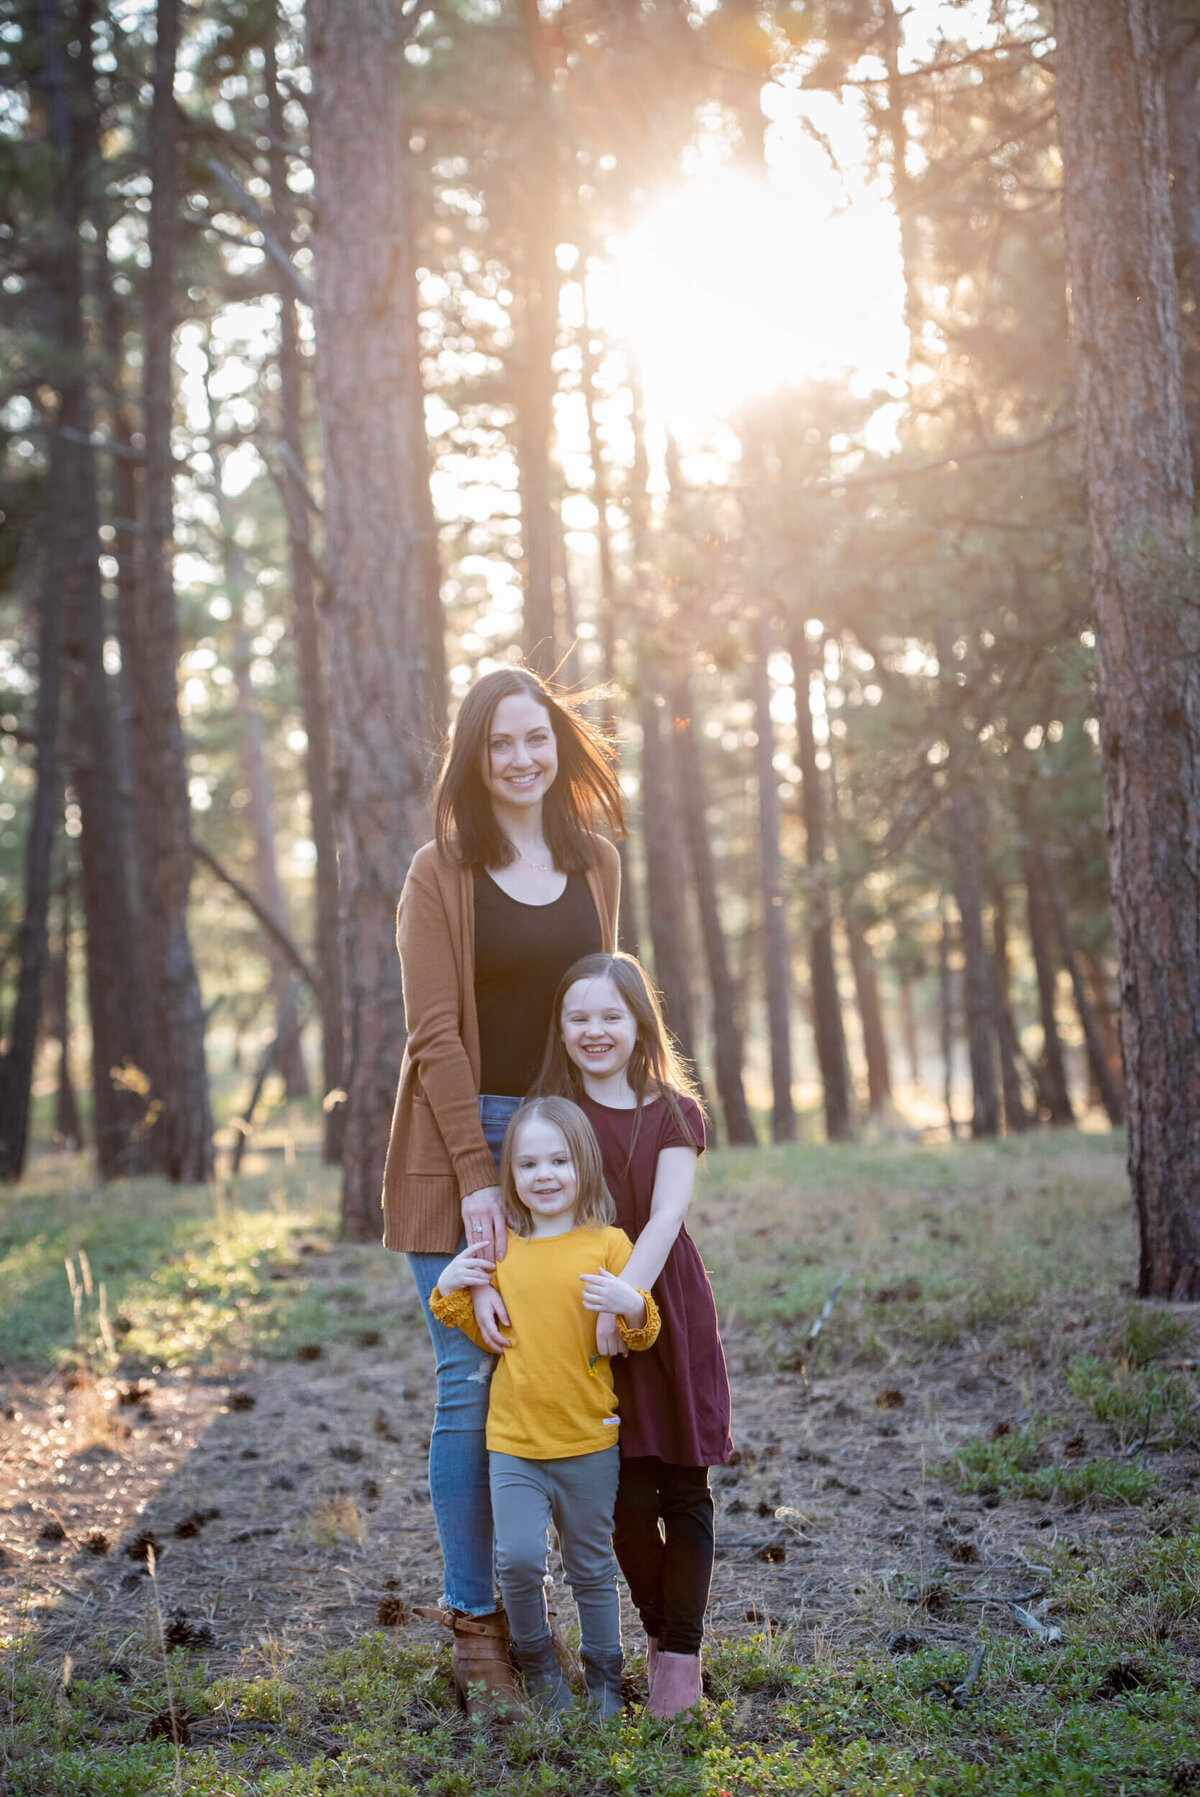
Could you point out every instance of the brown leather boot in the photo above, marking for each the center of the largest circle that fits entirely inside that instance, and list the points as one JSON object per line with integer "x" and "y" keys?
{"x": 479, "y": 1660}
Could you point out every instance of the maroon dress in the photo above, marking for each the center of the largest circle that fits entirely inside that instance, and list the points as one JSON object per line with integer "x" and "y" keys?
{"x": 674, "y": 1399}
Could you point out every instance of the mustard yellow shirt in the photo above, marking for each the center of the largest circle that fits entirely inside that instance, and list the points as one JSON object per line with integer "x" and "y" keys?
{"x": 552, "y": 1394}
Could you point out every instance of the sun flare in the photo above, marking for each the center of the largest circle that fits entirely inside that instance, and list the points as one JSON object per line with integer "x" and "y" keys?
{"x": 730, "y": 288}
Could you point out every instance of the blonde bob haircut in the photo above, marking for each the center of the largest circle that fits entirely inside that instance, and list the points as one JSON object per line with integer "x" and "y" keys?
{"x": 594, "y": 1207}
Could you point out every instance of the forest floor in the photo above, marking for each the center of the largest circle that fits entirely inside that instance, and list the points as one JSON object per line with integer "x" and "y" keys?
{"x": 214, "y": 1514}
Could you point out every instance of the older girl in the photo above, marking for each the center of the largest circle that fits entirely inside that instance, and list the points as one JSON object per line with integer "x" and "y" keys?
{"x": 609, "y": 1050}
{"x": 515, "y": 887}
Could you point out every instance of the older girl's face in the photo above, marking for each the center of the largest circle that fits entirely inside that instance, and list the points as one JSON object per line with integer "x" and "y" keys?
{"x": 599, "y": 1030}
{"x": 520, "y": 755}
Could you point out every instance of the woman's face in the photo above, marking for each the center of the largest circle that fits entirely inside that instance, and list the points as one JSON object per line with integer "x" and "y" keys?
{"x": 598, "y": 1028}
{"x": 520, "y": 755}
{"x": 543, "y": 1171}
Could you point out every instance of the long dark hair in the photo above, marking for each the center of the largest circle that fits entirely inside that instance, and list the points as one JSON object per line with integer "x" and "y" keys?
{"x": 656, "y": 1067}
{"x": 585, "y": 790}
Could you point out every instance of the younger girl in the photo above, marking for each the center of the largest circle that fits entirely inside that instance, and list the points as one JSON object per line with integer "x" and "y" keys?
{"x": 552, "y": 1416}
{"x": 609, "y": 1049}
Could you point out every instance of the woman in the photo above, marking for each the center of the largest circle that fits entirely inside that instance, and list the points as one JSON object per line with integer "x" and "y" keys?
{"x": 515, "y": 887}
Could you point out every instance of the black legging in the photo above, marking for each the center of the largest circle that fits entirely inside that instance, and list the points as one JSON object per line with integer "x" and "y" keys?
{"x": 669, "y": 1569}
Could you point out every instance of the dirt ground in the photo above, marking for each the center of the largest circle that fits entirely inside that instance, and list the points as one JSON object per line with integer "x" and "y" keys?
{"x": 288, "y": 1509}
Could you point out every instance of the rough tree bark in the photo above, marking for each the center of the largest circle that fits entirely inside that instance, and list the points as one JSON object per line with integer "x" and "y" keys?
{"x": 828, "y": 1029}
{"x": 68, "y": 1127}
{"x": 535, "y": 333}
{"x": 368, "y": 399}
{"x": 114, "y": 987}
{"x": 16, "y": 1065}
{"x": 1016, "y": 1117}
{"x": 727, "y": 1036}
{"x": 946, "y": 1014}
{"x": 181, "y": 1138}
{"x": 609, "y": 618}
{"x": 1138, "y": 477}
{"x": 1054, "y": 1093}
{"x": 1098, "y": 1063}
{"x": 666, "y": 888}
{"x": 777, "y": 973}
{"x": 310, "y": 667}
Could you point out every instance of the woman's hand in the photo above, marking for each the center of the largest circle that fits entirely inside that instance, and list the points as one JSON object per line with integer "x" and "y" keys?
{"x": 608, "y": 1336}
{"x": 471, "y": 1267}
{"x": 491, "y": 1317}
{"x": 604, "y": 1291}
{"x": 483, "y": 1220}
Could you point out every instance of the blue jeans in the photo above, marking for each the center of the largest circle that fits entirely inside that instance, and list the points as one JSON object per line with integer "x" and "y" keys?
{"x": 458, "y": 1458}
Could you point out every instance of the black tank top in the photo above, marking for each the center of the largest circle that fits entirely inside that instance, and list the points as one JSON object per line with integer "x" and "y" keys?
{"x": 521, "y": 953}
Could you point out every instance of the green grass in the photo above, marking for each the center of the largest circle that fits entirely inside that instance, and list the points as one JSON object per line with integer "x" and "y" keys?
{"x": 1005, "y": 1244}
{"x": 185, "y": 1272}
{"x": 937, "y": 1244}
{"x": 1019, "y": 1464}
{"x": 378, "y": 1719}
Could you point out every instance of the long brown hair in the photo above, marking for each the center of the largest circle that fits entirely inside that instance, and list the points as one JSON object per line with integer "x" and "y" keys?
{"x": 656, "y": 1069}
{"x": 594, "y": 1206}
{"x": 585, "y": 791}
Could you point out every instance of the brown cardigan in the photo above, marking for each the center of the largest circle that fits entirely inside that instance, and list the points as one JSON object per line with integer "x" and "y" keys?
{"x": 437, "y": 1153}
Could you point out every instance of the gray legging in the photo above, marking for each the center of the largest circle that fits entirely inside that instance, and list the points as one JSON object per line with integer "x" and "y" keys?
{"x": 577, "y": 1495}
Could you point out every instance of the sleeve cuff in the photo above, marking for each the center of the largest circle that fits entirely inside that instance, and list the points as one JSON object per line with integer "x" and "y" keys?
{"x": 647, "y": 1335}
{"x": 474, "y": 1171}
{"x": 454, "y": 1309}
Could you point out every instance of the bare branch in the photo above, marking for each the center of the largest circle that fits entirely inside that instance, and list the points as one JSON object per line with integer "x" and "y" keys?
{"x": 258, "y": 218}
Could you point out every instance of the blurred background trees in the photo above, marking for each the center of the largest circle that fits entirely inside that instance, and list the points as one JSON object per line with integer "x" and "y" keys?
{"x": 719, "y": 353}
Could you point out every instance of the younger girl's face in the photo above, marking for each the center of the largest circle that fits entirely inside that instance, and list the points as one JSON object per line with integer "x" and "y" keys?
{"x": 544, "y": 1173}
{"x": 598, "y": 1028}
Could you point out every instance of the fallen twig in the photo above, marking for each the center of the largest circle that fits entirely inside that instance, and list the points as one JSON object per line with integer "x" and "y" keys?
{"x": 961, "y": 1694}
{"x": 999, "y": 1597}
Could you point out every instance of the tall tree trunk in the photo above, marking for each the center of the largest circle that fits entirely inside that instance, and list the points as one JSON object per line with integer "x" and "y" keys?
{"x": 256, "y": 775}
{"x": 1110, "y": 1092}
{"x": 16, "y": 1065}
{"x": 1183, "y": 136}
{"x": 68, "y": 1126}
{"x": 777, "y": 973}
{"x": 1097, "y": 984}
{"x": 946, "y": 1015}
{"x": 908, "y": 1025}
{"x": 727, "y": 1037}
{"x": 665, "y": 882}
{"x": 609, "y": 603}
{"x": 1016, "y": 1117}
{"x": 1138, "y": 480}
{"x": 310, "y": 668}
{"x": 828, "y": 1029}
{"x": 181, "y": 1139}
{"x": 1052, "y": 1067}
{"x": 368, "y": 398}
{"x": 114, "y": 984}
{"x": 870, "y": 1010}
{"x": 967, "y": 857}
{"x": 535, "y": 333}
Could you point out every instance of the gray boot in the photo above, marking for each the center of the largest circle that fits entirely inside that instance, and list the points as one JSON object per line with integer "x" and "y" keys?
{"x": 542, "y": 1674}
{"x": 602, "y": 1676}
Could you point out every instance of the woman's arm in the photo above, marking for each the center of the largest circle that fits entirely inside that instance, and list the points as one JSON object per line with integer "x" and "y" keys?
{"x": 431, "y": 1009}
{"x": 674, "y": 1177}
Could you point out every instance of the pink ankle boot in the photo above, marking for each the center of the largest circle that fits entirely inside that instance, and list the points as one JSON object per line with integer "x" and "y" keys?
{"x": 676, "y": 1685}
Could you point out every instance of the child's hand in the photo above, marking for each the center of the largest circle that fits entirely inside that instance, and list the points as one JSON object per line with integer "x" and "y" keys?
{"x": 604, "y": 1291}
{"x": 471, "y": 1267}
{"x": 491, "y": 1317}
{"x": 608, "y": 1337}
